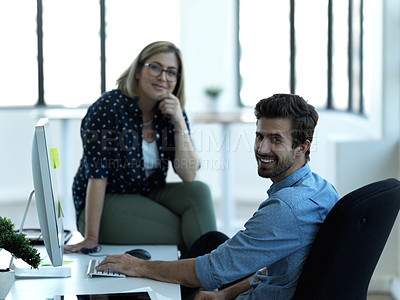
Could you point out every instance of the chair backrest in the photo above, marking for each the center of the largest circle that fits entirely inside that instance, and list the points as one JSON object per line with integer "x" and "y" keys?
{"x": 349, "y": 243}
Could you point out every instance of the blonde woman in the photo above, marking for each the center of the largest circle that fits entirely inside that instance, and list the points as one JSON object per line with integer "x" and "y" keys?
{"x": 129, "y": 136}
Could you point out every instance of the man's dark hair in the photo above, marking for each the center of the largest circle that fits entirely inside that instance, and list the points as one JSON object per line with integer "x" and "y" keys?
{"x": 303, "y": 116}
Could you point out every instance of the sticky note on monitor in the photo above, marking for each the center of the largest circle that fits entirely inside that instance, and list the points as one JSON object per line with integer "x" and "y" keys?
{"x": 54, "y": 159}
{"x": 60, "y": 211}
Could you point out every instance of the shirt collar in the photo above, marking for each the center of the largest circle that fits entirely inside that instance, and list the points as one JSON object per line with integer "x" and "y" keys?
{"x": 290, "y": 180}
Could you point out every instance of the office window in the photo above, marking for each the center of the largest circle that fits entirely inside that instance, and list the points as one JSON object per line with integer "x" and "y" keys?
{"x": 133, "y": 24}
{"x": 265, "y": 49}
{"x": 18, "y": 52}
{"x": 66, "y": 53}
{"x": 340, "y": 63}
{"x": 311, "y": 56}
{"x": 313, "y": 48}
{"x": 71, "y": 52}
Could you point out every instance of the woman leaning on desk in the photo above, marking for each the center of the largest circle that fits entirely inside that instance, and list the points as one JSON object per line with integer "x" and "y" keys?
{"x": 129, "y": 135}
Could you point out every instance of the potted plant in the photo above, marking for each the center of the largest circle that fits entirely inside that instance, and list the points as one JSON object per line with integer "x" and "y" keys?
{"x": 18, "y": 245}
{"x": 213, "y": 92}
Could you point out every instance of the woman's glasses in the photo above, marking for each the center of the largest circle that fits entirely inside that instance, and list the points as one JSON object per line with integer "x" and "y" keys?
{"x": 171, "y": 74}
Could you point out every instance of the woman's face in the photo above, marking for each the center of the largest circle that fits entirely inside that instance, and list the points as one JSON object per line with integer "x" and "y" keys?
{"x": 156, "y": 88}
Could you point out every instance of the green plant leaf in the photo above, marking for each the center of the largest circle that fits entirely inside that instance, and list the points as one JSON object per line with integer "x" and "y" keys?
{"x": 17, "y": 244}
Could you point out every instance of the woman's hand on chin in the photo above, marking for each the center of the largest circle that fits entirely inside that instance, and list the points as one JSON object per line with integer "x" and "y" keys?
{"x": 170, "y": 106}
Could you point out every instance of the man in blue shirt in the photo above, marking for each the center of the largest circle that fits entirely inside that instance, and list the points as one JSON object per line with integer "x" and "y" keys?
{"x": 272, "y": 249}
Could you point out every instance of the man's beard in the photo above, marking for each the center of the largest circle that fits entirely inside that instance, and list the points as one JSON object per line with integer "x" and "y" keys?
{"x": 281, "y": 166}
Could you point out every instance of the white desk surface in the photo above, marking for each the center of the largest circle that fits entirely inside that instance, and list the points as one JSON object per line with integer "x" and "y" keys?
{"x": 79, "y": 283}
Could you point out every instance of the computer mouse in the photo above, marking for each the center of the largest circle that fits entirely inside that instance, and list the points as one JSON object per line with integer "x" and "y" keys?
{"x": 139, "y": 253}
{"x": 89, "y": 250}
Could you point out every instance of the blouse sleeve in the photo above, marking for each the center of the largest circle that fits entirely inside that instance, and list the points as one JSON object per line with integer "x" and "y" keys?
{"x": 170, "y": 153}
{"x": 99, "y": 141}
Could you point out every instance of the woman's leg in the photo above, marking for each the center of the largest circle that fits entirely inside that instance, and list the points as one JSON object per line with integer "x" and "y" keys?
{"x": 192, "y": 203}
{"x": 135, "y": 219}
{"x": 205, "y": 244}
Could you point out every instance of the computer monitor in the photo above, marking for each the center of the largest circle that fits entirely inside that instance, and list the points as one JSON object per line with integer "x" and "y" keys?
{"x": 44, "y": 166}
{"x": 45, "y": 163}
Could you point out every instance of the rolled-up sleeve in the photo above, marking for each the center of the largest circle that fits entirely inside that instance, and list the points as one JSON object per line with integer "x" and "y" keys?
{"x": 204, "y": 273}
{"x": 271, "y": 234}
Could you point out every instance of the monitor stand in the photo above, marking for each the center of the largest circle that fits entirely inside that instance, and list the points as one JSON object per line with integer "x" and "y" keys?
{"x": 41, "y": 272}
{"x": 23, "y": 270}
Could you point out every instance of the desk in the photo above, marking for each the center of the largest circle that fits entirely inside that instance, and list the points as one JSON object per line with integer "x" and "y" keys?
{"x": 79, "y": 283}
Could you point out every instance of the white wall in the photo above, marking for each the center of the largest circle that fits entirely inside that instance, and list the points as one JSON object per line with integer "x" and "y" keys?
{"x": 348, "y": 150}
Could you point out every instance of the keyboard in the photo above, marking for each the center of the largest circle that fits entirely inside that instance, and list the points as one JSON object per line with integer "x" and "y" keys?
{"x": 93, "y": 272}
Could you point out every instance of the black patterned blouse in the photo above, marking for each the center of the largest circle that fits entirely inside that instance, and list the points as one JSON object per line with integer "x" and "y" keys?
{"x": 112, "y": 138}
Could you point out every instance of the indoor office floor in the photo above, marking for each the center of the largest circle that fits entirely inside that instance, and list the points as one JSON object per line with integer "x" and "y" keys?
{"x": 243, "y": 212}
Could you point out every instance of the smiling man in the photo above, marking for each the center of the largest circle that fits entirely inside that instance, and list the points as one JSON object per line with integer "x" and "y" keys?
{"x": 270, "y": 252}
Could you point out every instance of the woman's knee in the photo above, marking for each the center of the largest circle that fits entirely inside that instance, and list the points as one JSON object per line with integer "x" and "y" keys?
{"x": 198, "y": 188}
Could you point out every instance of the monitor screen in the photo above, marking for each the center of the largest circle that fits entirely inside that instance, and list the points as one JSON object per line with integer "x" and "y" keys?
{"x": 44, "y": 168}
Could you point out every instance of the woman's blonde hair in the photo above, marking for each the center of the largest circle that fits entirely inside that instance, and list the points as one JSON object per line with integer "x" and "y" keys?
{"x": 127, "y": 83}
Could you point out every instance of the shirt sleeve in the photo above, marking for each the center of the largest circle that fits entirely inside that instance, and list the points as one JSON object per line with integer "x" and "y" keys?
{"x": 270, "y": 235}
{"x": 99, "y": 140}
{"x": 170, "y": 152}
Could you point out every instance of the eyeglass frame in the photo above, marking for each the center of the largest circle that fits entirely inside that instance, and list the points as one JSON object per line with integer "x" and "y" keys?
{"x": 161, "y": 71}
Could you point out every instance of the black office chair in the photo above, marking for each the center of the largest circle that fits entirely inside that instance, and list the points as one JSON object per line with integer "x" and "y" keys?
{"x": 349, "y": 243}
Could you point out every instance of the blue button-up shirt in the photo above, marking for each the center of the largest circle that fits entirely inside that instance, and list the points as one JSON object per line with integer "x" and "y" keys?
{"x": 278, "y": 236}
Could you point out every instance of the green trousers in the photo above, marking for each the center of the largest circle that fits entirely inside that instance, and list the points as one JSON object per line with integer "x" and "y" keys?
{"x": 177, "y": 214}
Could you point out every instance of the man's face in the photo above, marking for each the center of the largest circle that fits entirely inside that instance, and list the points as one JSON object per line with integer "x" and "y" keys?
{"x": 273, "y": 148}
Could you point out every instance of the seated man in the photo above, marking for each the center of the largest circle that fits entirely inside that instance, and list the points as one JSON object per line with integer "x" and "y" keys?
{"x": 272, "y": 249}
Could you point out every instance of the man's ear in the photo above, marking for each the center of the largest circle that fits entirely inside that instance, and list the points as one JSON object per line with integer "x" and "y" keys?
{"x": 302, "y": 149}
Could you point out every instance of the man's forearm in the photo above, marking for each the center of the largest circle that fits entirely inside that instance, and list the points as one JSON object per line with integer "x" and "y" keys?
{"x": 228, "y": 293}
{"x": 180, "y": 271}
{"x": 235, "y": 290}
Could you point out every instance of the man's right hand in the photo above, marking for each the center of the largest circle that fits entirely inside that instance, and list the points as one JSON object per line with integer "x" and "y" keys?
{"x": 207, "y": 295}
